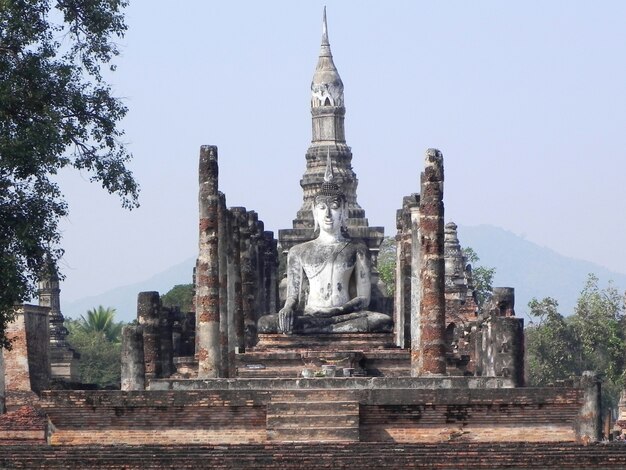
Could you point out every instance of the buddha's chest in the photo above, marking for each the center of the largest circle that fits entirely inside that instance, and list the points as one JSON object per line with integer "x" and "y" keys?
{"x": 328, "y": 261}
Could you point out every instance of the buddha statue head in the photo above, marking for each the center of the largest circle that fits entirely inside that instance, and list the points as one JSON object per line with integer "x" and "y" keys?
{"x": 329, "y": 204}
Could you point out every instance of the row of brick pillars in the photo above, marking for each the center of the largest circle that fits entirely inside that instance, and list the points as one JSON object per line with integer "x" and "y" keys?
{"x": 235, "y": 275}
{"x": 420, "y": 299}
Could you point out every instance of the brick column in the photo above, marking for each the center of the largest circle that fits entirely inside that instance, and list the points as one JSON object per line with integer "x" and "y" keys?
{"x": 240, "y": 228}
{"x": 133, "y": 366}
{"x": 404, "y": 273}
{"x": 415, "y": 291}
{"x": 222, "y": 253}
{"x": 166, "y": 323}
{"x": 259, "y": 250}
{"x": 431, "y": 356}
{"x": 207, "y": 267}
{"x": 589, "y": 426}
{"x": 248, "y": 280}
{"x": 3, "y": 408}
{"x": 148, "y": 309}
{"x": 270, "y": 264}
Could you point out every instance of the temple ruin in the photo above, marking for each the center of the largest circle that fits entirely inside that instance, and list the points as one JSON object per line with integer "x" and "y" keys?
{"x": 445, "y": 370}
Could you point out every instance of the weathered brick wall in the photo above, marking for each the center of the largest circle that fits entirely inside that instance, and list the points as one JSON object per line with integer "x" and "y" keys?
{"x": 448, "y": 455}
{"x": 27, "y": 365}
{"x": 384, "y": 414}
{"x": 203, "y": 417}
{"x": 530, "y": 415}
{"x": 25, "y": 425}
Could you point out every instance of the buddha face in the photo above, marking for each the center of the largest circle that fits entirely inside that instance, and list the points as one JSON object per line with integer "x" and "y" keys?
{"x": 328, "y": 213}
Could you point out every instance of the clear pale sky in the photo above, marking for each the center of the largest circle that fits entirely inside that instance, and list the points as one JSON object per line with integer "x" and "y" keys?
{"x": 526, "y": 100}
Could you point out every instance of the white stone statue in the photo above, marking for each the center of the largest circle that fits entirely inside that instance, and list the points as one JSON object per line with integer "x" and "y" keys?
{"x": 338, "y": 272}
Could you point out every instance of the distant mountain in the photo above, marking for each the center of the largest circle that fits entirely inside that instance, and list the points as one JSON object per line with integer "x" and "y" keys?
{"x": 533, "y": 271}
{"x": 124, "y": 299}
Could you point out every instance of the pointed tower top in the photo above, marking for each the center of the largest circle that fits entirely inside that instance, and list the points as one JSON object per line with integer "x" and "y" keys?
{"x": 326, "y": 87}
{"x": 325, "y": 30}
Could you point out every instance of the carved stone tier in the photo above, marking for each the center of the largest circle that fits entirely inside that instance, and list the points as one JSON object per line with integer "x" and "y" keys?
{"x": 366, "y": 354}
{"x": 328, "y": 342}
{"x": 290, "y": 364}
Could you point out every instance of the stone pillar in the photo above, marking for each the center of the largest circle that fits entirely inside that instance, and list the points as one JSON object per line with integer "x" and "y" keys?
{"x": 502, "y": 302}
{"x": 403, "y": 304}
{"x": 148, "y": 310}
{"x": 248, "y": 282}
{"x": 207, "y": 267}
{"x": 177, "y": 334}
{"x": 166, "y": 323}
{"x": 589, "y": 427}
{"x": 415, "y": 291}
{"x": 259, "y": 274}
{"x": 270, "y": 263}
{"x": 222, "y": 254}
{"x": 133, "y": 365}
{"x": 3, "y": 408}
{"x": 620, "y": 423}
{"x": 235, "y": 296}
{"x": 502, "y": 348}
{"x": 188, "y": 334}
{"x": 430, "y": 359}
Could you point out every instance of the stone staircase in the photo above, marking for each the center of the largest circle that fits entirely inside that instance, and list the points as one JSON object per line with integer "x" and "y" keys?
{"x": 329, "y": 455}
{"x": 313, "y": 421}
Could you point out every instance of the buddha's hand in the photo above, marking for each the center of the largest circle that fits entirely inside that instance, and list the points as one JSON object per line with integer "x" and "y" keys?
{"x": 355, "y": 305}
{"x": 285, "y": 320}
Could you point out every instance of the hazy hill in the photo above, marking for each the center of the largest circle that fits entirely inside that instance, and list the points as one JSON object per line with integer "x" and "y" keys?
{"x": 124, "y": 299}
{"x": 533, "y": 270}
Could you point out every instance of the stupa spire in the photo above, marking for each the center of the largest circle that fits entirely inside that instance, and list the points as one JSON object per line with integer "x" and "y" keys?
{"x": 326, "y": 87}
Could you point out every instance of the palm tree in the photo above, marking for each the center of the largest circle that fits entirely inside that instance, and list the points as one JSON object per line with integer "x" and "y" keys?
{"x": 101, "y": 320}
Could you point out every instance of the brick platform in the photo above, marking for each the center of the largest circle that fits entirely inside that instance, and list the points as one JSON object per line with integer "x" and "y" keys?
{"x": 448, "y": 456}
{"x": 353, "y": 409}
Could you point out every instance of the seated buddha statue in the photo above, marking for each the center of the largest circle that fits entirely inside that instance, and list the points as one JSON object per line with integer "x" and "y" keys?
{"x": 337, "y": 269}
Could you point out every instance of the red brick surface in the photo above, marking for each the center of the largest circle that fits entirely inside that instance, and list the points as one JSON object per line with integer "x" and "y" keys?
{"x": 448, "y": 455}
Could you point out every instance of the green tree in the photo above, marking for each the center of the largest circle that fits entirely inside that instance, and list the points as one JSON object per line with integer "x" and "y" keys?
{"x": 99, "y": 358}
{"x": 56, "y": 111}
{"x": 100, "y": 320}
{"x": 97, "y": 338}
{"x": 180, "y": 295}
{"x": 593, "y": 338}
{"x": 482, "y": 276}
{"x": 598, "y": 327}
{"x": 550, "y": 345}
{"x": 387, "y": 264}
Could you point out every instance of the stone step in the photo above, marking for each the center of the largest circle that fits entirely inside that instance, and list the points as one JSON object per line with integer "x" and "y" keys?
{"x": 321, "y": 455}
{"x": 310, "y": 421}
{"x": 312, "y": 395}
{"x": 314, "y": 434}
{"x": 350, "y": 408}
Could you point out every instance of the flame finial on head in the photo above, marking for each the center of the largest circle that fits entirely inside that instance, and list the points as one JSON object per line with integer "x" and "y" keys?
{"x": 329, "y": 187}
{"x": 328, "y": 175}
